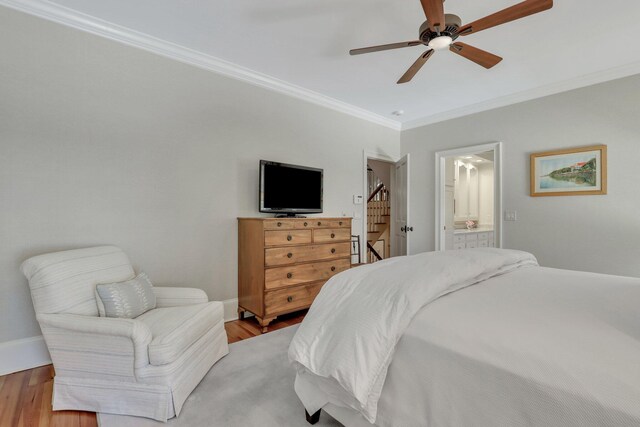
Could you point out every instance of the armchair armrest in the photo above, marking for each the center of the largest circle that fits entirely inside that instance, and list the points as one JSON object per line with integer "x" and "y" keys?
{"x": 172, "y": 297}
{"x": 96, "y": 338}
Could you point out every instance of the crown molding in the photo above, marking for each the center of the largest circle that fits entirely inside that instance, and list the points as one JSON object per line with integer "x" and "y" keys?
{"x": 87, "y": 23}
{"x": 528, "y": 95}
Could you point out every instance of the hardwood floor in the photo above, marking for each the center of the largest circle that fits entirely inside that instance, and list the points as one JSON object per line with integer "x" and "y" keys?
{"x": 25, "y": 397}
{"x": 239, "y": 330}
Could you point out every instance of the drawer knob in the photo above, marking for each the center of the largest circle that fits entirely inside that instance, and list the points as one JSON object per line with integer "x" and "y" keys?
{"x": 333, "y": 250}
{"x": 333, "y": 269}
{"x": 289, "y": 298}
{"x": 333, "y": 235}
{"x": 279, "y": 224}
{"x": 340, "y": 223}
{"x": 289, "y": 237}
{"x": 305, "y": 224}
{"x": 319, "y": 223}
{"x": 289, "y": 255}
{"x": 289, "y": 275}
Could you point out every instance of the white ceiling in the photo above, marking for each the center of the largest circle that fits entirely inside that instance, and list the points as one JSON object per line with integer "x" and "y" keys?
{"x": 305, "y": 43}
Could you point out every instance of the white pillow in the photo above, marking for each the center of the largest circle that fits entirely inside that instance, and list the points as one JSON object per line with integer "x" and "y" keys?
{"x": 126, "y": 299}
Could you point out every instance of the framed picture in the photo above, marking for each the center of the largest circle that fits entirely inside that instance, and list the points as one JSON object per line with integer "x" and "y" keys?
{"x": 571, "y": 172}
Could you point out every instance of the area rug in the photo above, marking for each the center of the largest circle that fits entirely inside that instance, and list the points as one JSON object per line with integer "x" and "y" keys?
{"x": 251, "y": 386}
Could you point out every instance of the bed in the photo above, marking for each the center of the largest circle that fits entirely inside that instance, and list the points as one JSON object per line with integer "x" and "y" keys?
{"x": 513, "y": 344}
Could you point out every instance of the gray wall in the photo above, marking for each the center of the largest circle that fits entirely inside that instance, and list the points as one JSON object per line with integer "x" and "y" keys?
{"x": 382, "y": 170}
{"x": 592, "y": 233}
{"x": 105, "y": 144}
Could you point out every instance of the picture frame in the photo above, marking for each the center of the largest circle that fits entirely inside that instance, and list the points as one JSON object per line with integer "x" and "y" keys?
{"x": 580, "y": 171}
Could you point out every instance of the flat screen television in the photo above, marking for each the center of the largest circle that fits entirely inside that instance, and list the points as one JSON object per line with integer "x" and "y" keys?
{"x": 290, "y": 189}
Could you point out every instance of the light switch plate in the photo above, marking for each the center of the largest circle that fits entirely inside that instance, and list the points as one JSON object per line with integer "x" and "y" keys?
{"x": 357, "y": 200}
{"x": 510, "y": 215}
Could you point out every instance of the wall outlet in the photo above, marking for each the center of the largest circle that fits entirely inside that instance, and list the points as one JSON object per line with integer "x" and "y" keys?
{"x": 510, "y": 215}
{"x": 357, "y": 200}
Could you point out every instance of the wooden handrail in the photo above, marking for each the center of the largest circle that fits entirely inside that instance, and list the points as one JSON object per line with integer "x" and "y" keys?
{"x": 375, "y": 192}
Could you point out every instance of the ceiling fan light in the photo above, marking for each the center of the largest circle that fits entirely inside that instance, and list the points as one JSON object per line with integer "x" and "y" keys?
{"x": 442, "y": 42}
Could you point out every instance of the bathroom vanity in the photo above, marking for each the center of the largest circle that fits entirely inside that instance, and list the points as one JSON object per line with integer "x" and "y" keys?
{"x": 481, "y": 237}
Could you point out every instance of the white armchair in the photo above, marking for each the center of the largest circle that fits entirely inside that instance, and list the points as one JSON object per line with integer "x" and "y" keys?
{"x": 145, "y": 366}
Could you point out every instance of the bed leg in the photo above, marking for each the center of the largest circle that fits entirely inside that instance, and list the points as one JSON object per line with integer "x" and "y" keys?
{"x": 312, "y": 419}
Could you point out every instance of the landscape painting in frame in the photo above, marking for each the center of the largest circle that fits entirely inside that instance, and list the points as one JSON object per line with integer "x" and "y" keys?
{"x": 570, "y": 172}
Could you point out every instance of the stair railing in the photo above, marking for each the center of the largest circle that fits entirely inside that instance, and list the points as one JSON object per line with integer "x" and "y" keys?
{"x": 378, "y": 210}
{"x": 373, "y": 252}
{"x": 378, "y": 189}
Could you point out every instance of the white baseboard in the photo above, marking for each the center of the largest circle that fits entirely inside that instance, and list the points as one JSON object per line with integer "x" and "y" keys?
{"x": 28, "y": 353}
{"x": 22, "y": 354}
{"x": 230, "y": 309}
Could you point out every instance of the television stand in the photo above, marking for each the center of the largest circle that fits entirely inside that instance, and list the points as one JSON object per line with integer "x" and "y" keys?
{"x": 289, "y": 215}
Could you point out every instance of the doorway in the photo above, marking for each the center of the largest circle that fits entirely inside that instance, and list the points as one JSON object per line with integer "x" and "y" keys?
{"x": 469, "y": 197}
{"x": 385, "y": 209}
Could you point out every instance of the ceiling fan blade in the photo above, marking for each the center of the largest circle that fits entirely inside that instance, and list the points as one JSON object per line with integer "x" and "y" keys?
{"x": 479, "y": 56}
{"x": 413, "y": 70}
{"x": 384, "y": 47}
{"x": 434, "y": 11}
{"x": 520, "y": 10}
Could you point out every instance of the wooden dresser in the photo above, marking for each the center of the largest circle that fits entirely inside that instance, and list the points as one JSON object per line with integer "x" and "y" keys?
{"x": 283, "y": 262}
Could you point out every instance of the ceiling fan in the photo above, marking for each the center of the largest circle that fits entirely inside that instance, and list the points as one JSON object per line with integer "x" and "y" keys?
{"x": 440, "y": 31}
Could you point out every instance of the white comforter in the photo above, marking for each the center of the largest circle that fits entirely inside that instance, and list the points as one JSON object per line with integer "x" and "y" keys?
{"x": 351, "y": 331}
{"x": 534, "y": 347}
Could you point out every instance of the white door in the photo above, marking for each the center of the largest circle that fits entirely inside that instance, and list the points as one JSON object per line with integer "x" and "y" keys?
{"x": 400, "y": 212}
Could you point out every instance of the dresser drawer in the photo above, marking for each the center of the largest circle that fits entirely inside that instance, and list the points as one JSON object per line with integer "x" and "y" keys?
{"x": 278, "y": 224}
{"x": 307, "y": 223}
{"x": 316, "y": 223}
{"x": 294, "y": 254}
{"x": 303, "y": 273}
{"x": 483, "y": 236}
{"x": 459, "y": 238}
{"x": 459, "y": 245}
{"x": 339, "y": 223}
{"x": 286, "y": 237}
{"x": 323, "y": 235}
{"x": 290, "y": 299}
{"x": 472, "y": 237}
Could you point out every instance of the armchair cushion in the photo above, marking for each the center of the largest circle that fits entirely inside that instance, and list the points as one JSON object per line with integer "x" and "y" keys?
{"x": 127, "y": 299}
{"x": 172, "y": 296}
{"x": 175, "y": 329}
